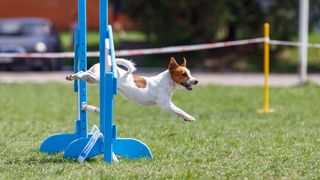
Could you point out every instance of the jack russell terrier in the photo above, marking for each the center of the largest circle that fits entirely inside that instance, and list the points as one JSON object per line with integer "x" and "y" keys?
{"x": 147, "y": 90}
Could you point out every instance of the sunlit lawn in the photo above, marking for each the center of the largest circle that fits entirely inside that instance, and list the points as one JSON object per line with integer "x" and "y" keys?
{"x": 228, "y": 140}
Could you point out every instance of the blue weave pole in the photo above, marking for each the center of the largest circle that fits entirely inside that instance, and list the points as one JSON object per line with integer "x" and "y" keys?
{"x": 60, "y": 142}
{"x": 109, "y": 144}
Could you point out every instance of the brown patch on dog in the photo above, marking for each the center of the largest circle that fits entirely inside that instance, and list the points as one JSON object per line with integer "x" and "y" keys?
{"x": 178, "y": 73}
{"x": 139, "y": 81}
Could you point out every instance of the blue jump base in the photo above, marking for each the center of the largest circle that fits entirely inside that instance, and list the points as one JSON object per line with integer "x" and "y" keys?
{"x": 73, "y": 144}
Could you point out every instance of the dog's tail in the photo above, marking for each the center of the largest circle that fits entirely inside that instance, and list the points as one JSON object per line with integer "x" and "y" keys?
{"x": 127, "y": 64}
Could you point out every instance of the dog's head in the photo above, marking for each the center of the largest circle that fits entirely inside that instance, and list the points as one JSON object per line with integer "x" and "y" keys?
{"x": 180, "y": 74}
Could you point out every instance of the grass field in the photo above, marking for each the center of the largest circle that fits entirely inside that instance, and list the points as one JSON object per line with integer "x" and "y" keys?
{"x": 229, "y": 139}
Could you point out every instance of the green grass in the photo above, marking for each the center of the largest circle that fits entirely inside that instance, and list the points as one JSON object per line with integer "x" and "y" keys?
{"x": 229, "y": 139}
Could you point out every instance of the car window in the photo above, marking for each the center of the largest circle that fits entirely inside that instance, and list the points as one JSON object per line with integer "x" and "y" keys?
{"x": 35, "y": 29}
{"x": 8, "y": 28}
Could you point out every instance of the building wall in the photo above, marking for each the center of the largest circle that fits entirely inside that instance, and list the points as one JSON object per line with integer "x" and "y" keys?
{"x": 61, "y": 12}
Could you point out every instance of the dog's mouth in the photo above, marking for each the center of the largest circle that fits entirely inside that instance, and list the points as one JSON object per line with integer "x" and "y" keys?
{"x": 187, "y": 86}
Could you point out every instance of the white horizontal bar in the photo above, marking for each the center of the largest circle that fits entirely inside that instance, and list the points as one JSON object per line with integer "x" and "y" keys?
{"x": 88, "y": 107}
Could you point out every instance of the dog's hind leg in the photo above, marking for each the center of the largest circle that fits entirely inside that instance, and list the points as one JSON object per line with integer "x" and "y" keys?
{"x": 76, "y": 76}
{"x": 90, "y": 77}
{"x": 87, "y": 76}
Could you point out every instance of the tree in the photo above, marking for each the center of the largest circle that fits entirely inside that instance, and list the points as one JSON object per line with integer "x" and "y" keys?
{"x": 179, "y": 21}
{"x": 185, "y": 21}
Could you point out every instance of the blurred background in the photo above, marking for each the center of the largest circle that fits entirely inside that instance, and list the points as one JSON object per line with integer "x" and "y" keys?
{"x": 47, "y": 26}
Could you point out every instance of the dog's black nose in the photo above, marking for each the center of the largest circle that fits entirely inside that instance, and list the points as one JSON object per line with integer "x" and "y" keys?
{"x": 196, "y": 82}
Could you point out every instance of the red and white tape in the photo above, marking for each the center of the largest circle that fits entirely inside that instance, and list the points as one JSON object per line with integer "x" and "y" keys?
{"x": 290, "y": 43}
{"x": 163, "y": 50}
{"x": 197, "y": 47}
{"x": 134, "y": 52}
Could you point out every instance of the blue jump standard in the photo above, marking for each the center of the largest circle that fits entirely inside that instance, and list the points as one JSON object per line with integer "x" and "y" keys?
{"x": 72, "y": 144}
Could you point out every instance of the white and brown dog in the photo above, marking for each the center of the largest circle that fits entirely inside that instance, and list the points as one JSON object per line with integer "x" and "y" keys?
{"x": 147, "y": 90}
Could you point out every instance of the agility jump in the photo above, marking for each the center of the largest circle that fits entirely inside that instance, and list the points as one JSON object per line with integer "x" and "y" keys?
{"x": 82, "y": 144}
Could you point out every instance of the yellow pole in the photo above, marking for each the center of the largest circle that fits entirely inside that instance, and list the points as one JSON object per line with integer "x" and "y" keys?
{"x": 266, "y": 29}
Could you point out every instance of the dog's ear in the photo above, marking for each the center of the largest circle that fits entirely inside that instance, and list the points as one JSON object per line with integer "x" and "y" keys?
{"x": 184, "y": 64}
{"x": 173, "y": 63}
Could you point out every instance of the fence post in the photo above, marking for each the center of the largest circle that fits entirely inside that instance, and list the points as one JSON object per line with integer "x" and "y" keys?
{"x": 303, "y": 38}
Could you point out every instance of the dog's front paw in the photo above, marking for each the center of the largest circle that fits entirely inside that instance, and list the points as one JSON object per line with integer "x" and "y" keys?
{"x": 188, "y": 118}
